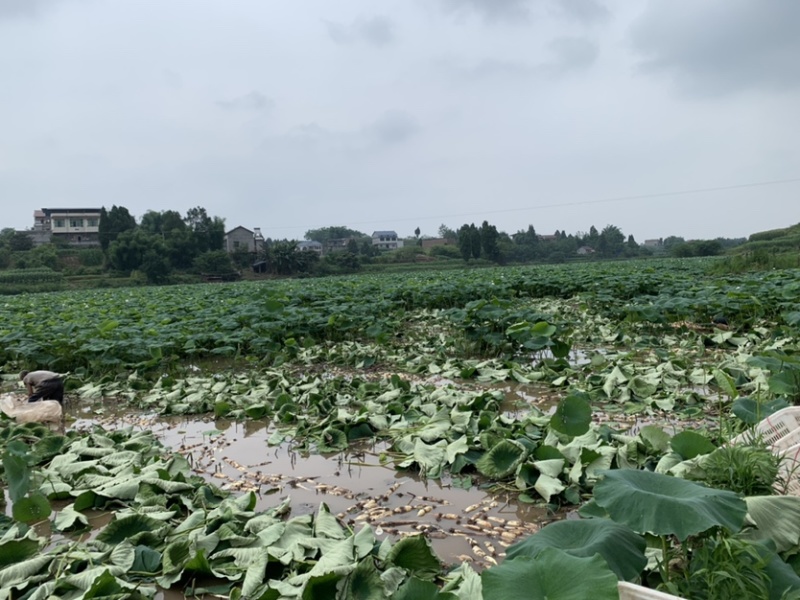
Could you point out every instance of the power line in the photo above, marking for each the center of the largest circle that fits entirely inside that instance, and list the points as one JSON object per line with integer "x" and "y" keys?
{"x": 575, "y": 203}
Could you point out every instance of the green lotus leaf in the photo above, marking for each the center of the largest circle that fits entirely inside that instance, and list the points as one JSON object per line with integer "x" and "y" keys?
{"x": 129, "y": 528}
{"x": 621, "y": 548}
{"x": 332, "y": 439}
{"x": 414, "y": 554}
{"x": 690, "y": 444}
{"x": 502, "y": 460}
{"x": 416, "y": 589}
{"x": 552, "y": 575}
{"x": 649, "y": 502}
{"x": 642, "y": 387}
{"x": 15, "y": 551}
{"x": 573, "y": 416}
{"x": 753, "y": 411}
{"x": 776, "y": 518}
{"x": 32, "y": 508}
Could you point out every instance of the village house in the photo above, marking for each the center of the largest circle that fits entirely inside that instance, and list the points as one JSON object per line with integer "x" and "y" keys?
{"x": 242, "y": 239}
{"x": 386, "y": 240}
{"x": 310, "y": 246}
{"x": 433, "y": 242}
{"x": 70, "y": 226}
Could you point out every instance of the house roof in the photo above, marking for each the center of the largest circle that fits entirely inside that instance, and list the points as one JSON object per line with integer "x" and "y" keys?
{"x": 309, "y": 244}
{"x": 49, "y": 211}
{"x": 237, "y": 228}
{"x": 383, "y": 233}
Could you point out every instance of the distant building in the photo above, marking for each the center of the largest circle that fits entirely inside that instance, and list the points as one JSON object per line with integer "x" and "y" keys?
{"x": 336, "y": 244}
{"x": 585, "y": 250}
{"x": 71, "y": 226}
{"x": 433, "y": 242}
{"x": 653, "y": 243}
{"x": 242, "y": 239}
{"x": 549, "y": 238}
{"x": 386, "y": 240}
{"x": 310, "y": 246}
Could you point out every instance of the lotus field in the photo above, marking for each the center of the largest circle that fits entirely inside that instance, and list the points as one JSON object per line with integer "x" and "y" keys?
{"x": 536, "y": 432}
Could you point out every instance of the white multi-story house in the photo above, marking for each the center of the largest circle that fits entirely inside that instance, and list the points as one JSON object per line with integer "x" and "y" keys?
{"x": 386, "y": 240}
{"x": 74, "y": 226}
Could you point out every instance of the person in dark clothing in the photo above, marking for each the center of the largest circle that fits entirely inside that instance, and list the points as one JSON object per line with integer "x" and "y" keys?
{"x": 43, "y": 385}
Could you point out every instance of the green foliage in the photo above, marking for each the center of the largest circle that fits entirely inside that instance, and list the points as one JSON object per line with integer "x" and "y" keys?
{"x": 727, "y": 567}
{"x": 573, "y": 415}
{"x": 41, "y": 279}
{"x": 750, "y": 470}
{"x": 113, "y": 223}
{"x": 621, "y": 548}
{"x": 217, "y": 262}
{"x": 664, "y": 505}
{"x": 335, "y": 232}
{"x": 553, "y": 575}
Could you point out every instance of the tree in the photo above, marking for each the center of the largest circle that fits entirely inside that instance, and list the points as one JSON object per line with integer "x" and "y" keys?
{"x": 366, "y": 248}
{"x": 489, "y": 237}
{"x": 475, "y": 236}
{"x": 179, "y": 240}
{"x": 337, "y": 232}
{"x": 671, "y": 241}
{"x": 20, "y": 242}
{"x": 127, "y": 252}
{"x": 611, "y": 241}
{"x": 209, "y": 233}
{"x": 352, "y": 246}
{"x": 448, "y": 234}
{"x": 592, "y": 239}
{"x": 113, "y": 223}
{"x": 465, "y": 241}
{"x": 215, "y": 262}
{"x": 5, "y": 236}
{"x": 155, "y": 266}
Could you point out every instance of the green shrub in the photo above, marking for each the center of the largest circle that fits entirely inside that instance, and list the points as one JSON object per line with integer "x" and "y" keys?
{"x": 751, "y": 470}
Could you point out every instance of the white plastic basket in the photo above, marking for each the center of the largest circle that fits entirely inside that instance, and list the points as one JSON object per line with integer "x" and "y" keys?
{"x": 775, "y": 427}
{"x": 631, "y": 591}
{"x": 787, "y": 441}
{"x": 790, "y": 470}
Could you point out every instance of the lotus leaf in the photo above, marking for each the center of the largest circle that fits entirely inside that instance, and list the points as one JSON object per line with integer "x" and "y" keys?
{"x": 776, "y": 518}
{"x": 621, "y": 548}
{"x": 414, "y": 554}
{"x": 502, "y": 460}
{"x": 551, "y": 576}
{"x": 573, "y": 416}
{"x": 649, "y": 502}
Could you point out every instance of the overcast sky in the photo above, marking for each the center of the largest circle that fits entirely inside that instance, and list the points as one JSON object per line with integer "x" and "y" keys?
{"x": 406, "y": 113}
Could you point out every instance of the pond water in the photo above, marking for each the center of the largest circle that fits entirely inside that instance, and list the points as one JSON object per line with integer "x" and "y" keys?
{"x": 463, "y": 521}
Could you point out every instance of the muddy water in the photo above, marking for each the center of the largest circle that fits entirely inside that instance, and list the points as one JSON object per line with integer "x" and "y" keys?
{"x": 360, "y": 485}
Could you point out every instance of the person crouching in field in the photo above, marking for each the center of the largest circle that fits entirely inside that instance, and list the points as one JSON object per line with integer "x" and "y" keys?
{"x": 43, "y": 385}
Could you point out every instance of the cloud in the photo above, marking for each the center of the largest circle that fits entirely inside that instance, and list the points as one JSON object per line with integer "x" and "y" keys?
{"x": 493, "y": 67}
{"x": 393, "y": 127}
{"x": 253, "y": 101}
{"x": 721, "y": 46}
{"x": 491, "y": 10}
{"x": 377, "y": 31}
{"x": 571, "y": 54}
{"x": 23, "y": 8}
{"x": 583, "y": 11}
{"x": 568, "y": 54}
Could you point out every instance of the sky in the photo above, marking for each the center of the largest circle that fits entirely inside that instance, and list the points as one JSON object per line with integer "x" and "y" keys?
{"x": 669, "y": 117}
